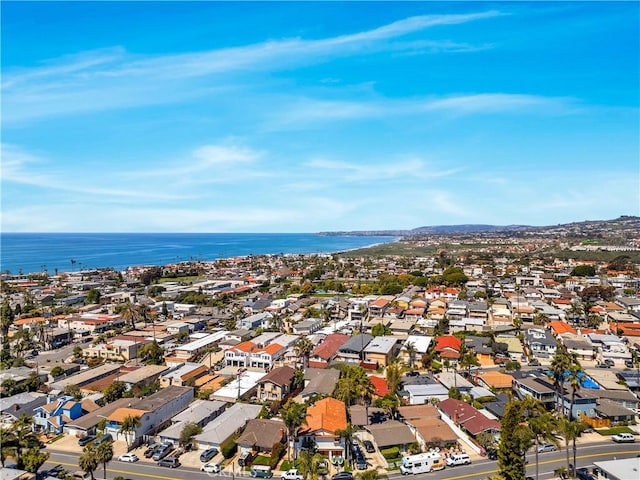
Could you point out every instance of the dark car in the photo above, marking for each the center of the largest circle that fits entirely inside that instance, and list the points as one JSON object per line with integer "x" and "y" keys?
{"x": 104, "y": 438}
{"x": 86, "y": 440}
{"x": 162, "y": 452}
{"x": 171, "y": 462}
{"x": 151, "y": 449}
{"x": 343, "y": 476}
{"x": 208, "y": 454}
{"x": 492, "y": 454}
{"x": 368, "y": 446}
{"x": 413, "y": 373}
{"x": 534, "y": 363}
{"x": 628, "y": 363}
{"x": 583, "y": 474}
{"x": 609, "y": 362}
{"x": 602, "y": 365}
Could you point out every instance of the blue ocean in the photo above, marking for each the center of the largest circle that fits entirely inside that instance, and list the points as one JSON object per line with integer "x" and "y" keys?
{"x": 36, "y": 252}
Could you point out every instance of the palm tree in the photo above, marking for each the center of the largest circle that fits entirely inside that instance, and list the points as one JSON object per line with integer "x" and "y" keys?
{"x": 347, "y": 435}
{"x": 23, "y": 437}
{"x": 293, "y": 415}
{"x": 410, "y": 348}
{"x": 88, "y": 460}
{"x": 468, "y": 360}
{"x": 571, "y": 430}
{"x": 104, "y": 454}
{"x": 130, "y": 313}
{"x": 309, "y": 464}
{"x": 130, "y": 424}
{"x": 7, "y": 445}
{"x": 393, "y": 376}
{"x": 303, "y": 348}
{"x": 542, "y": 424}
{"x": 574, "y": 377}
{"x": 559, "y": 366}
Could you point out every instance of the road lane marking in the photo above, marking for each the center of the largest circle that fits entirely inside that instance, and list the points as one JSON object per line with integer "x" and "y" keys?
{"x": 140, "y": 474}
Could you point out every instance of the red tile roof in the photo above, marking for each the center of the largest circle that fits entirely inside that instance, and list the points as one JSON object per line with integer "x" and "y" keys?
{"x": 464, "y": 415}
{"x": 380, "y": 386}
{"x": 448, "y": 341}
{"x": 330, "y": 345}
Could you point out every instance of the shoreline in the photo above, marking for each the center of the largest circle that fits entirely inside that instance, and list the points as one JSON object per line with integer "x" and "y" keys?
{"x": 91, "y": 251}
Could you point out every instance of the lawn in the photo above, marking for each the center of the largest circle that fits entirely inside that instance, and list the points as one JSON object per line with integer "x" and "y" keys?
{"x": 615, "y": 431}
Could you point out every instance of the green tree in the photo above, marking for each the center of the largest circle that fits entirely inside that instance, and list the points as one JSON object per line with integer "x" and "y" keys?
{"x": 390, "y": 403}
{"x": 371, "y": 475}
{"x": 24, "y": 437}
{"x": 33, "y": 459}
{"x": 104, "y": 454}
{"x": 541, "y": 423}
{"x": 309, "y": 464}
{"x": 583, "y": 271}
{"x": 189, "y": 431}
{"x": 131, "y": 313}
{"x": 57, "y": 371}
{"x": 130, "y": 424}
{"x": 93, "y": 296}
{"x": 7, "y": 445}
{"x": 560, "y": 364}
{"x": 114, "y": 391}
{"x": 6, "y": 318}
{"x": 77, "y": 351}
{"x": 88, "y": 460}
{"x": 410, "y": 349}
{"x": 380, "y": 329}
{"x": 152, "y": 353}
{"x": 393, "y": 376}
{"x": 515, "y": 440}
{"x": 347, "y": 435}
{"x": 74, "y": 391}
{"x": 303, "y": 348}
{"x": 293, "y": 415}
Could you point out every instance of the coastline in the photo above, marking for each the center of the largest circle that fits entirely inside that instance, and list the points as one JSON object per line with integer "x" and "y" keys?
{"x": 35, "y": 253}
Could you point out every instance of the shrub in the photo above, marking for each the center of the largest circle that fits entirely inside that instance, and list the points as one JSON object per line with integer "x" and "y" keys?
{"x": 229, "y": 448}
{"x": 277, "y": 451}
{"x": 390, "y": 453}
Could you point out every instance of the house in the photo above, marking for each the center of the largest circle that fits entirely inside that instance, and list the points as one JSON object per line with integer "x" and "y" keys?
{"x": 240, "y": 355}
{"x": 266, "y": 357}
{"x": 216, "y": 432}
{"x": 618, "y": 469}
{"x": 537, "y": 388}
{"x": 419, "y": 394}
{"x": 380, "y": 350}
{"x": 324, "y": 419}
{"x": 13, "y": 407}
{"x": 199, "y": 412}
{"x": 276, "y": 385}
{"x": 540, "y": 342}
{"x": 54, "y": 415}
{"x": 258, "y": 320}
{"x": 184, "y": 375}
{"x": 414, "y": 347}
{"x": 467, "y": 417}
{"x": 244, "y": 385}
{"x": 155, "y": 411}
{"x": 318, "y": 381}
{"x": 495, "y": 381}
{"x": 260, "y": 435}
{"x": 448, "y": 346}
{"x": 351, "y": 351}
{"x": 307, "y": 327}
{"x": 391, "y": 433}
{"x": 432, "y": 432}
{"x": 142, "y": 376}
{"x": 614, "y": 412}
{"x": 87, "y": 424}
{"x": 326, "y": 351}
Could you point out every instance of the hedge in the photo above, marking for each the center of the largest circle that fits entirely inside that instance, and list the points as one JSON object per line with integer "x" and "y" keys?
{"x": 390, "y": 453}
{"x": 277, "y": 451}
{"x": 229, "y": 448}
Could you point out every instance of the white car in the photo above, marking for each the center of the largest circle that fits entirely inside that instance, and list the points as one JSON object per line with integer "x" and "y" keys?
{"x": 292, "y": 474}
{"x": 623, "y": 438}
{"x": 211, "y": 468}
{"x": 128, "y": 457}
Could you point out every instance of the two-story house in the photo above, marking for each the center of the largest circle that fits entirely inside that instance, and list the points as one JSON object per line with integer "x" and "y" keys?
{"x": 53, "y": 416}
{"x": 276, "y": 385}
{"x": 324, "y": 419}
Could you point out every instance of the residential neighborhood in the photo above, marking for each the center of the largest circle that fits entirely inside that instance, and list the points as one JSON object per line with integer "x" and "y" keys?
{"x": 265, "y": 359}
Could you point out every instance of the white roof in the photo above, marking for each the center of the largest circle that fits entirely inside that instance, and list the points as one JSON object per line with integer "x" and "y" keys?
{"x": 246, "y": 382}
{"x": 383, "y": 344}
{"x": 232, "y": 420}
{"x": 421, "y": 343}
{"x": 203, "y": 342}
{"x": 623, "y": 469}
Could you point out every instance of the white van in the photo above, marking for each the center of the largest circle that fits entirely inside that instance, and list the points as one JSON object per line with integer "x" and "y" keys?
{"x": 458, "y": 459}
{"x": 420, "y": 463}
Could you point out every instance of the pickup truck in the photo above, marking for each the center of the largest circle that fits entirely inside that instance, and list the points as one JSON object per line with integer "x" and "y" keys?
{"x": 292, "y": 474}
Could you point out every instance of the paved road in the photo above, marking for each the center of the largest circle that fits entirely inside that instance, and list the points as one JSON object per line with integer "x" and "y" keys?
{"x": 548, "y": 462}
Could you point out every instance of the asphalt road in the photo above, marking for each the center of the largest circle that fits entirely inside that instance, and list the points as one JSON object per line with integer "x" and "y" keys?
{"x": 548, "y": 462}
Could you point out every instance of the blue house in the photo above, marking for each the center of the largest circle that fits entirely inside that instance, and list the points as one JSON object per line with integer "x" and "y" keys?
{"x": 53, "y": 416}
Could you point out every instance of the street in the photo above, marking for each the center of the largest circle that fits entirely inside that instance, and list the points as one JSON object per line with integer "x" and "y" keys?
{"x": 548, "y": 462}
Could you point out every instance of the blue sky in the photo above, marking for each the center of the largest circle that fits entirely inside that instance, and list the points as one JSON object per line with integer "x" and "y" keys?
{"x": 304, "y": 117}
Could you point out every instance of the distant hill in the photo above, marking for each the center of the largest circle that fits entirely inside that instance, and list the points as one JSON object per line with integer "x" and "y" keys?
{"x": 624, "y": 223}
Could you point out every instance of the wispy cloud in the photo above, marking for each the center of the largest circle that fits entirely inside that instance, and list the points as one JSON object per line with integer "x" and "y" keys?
{"x": 487, "y": 103}
{"x": 112, "y": 78}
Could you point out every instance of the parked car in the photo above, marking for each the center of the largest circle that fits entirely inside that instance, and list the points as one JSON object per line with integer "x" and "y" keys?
{"x": 583, "y": 474}
{"x": 609, "y": 362}
{"x": 623, "y": 438}
{"x": 628, "y": 363}
{"x": 151, "y": 449}
{"x": 211, "y": 468}
{"x": 171, "y": 462}
{"x": 261, "y": 471}
{"x": 343, "y": 476}
{"x": 104, "y": 438}
{"x": 492, "y": 454}
{"x": 162, "y": 452}
{"x": 208, "y": 454}
{"x": 86, "y": 440}
{"x": 292, "y": 474}
{"x": 602, "y": 365}
{"x": 361, "y": 462}
{"x": 458, "y": 459}
{"x": 368, "y": 446}
{"x": 547, "y": 447}
{"x": 128, "y": 457}
{"x": 534, "y": 363}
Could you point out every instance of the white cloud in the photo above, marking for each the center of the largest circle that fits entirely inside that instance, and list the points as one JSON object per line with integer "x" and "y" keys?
{"x": 111, "y": 78}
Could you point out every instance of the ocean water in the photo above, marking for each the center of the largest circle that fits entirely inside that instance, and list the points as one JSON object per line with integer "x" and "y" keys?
{"x": 35, "y": 252}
